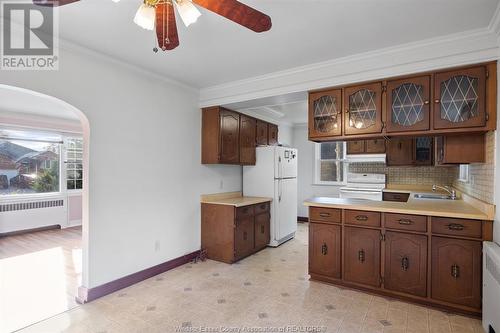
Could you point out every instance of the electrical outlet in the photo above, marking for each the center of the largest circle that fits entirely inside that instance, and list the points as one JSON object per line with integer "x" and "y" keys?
{"x": 221, "y": 185}
{"x": 157, "y": 246}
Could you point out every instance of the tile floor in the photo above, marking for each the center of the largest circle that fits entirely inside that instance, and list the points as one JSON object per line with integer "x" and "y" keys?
{"x": 269, "y": 290}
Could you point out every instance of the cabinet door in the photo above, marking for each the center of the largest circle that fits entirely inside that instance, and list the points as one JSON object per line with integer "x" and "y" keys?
{"x": 408, "y": 104}
{"x": 406, "y": 263}
{"x": 363, "y": 109}
{"x": 399, "y": 151}
{"x": 325, "y": 249}
{"x": 456, "y": 271}
{"x": 356, "y": 147}
{"x": 461, "y": 149}
{"x": 262, "y": 233}
{"x": 247, "y": 140}
{"x": 261, "y": 133}
{"x": 272, "y": 134}
{"x": 244, "y": 237}
{"x": 460, "y": 98}
{"x": 423, "y": 150}
{"x": 362, "y": 256}
{"x": 325, "y": 113}
{"x": 376, "y": 146}
{"x": 229, "y": 137}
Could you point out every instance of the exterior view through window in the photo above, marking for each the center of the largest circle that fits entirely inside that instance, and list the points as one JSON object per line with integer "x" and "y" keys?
{"x": 74, "y": 163}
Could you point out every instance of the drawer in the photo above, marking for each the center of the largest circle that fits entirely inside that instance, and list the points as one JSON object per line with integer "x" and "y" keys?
{"x": 406, "y": 222}
{"x": 457, "y": 227}
{"x": 261, "y": 208}
{"x": 359, "y": 217}
{"x": 331, "y": 215}
{"x": 393, "y": 196}
{"x": 245, "y": 211}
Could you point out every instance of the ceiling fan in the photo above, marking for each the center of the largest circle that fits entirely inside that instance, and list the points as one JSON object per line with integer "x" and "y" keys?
{"x": 160, "y": 14}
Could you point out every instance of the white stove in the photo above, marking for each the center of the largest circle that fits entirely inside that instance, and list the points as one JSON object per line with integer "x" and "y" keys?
{"x": 364, "y": 186}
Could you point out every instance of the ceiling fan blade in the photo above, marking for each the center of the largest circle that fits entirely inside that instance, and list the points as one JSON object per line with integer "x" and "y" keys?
{"x": 239, "y": 13}
{"x": 53, "y": 3}
{"x": 166, "y": 28}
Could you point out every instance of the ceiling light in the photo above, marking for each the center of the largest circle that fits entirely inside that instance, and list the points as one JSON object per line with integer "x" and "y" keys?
{"x": 188, "y": 12}
{"x": 115, "y": 0}
{"x": 145, "y": 17}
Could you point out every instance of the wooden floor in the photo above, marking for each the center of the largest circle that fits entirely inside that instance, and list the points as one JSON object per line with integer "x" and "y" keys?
{"x": 40, "y": 274}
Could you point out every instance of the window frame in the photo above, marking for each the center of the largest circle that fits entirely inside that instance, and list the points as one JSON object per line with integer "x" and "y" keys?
{"x": 465, "y": 179}
{"x": 66, "y": 161}
{"x": 317, "y": 166}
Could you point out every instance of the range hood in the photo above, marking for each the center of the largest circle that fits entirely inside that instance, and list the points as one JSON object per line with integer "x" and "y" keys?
{"x": 366, "y": 158}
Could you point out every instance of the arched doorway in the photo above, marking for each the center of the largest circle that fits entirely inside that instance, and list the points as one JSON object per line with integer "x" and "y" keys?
{"x": 25, "y": 111}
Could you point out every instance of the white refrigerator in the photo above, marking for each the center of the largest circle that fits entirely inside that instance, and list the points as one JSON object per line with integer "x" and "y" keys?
{"x": 275, "y": 175}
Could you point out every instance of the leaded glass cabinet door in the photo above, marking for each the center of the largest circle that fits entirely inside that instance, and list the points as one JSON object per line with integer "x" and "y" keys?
{"x": 459, "y": 98}
{"x": 408, "y": 104}
{"x": 325, "y": 113}
{"x": 363, "y": 109}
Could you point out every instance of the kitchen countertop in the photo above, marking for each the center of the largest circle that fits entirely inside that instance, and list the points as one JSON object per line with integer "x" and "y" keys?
{"x": 232, "y": 199}
{"x": 462, "y": 208}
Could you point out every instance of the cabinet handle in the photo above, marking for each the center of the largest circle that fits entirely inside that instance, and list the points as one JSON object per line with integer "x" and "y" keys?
{"x": 244, "y": 235}
{"x": 437, "y": 101}
{"x": 426, "y": 102}
{"x": 400, "y": 146}
{"x": 324, "y": 249}
{"x": 362, "y": 218}
{"x": 405, "y": 263}
{"x": 324, "y": 214}
{"x": 455, "y": 227}
{"x": 262, "y": 229}
{"x": 455, "y": 271}
{"x": 361, "y": 256}
{"x": 346, "y": 110}
{"x": 262, "y": 206}
{"x": 405, "y": 221}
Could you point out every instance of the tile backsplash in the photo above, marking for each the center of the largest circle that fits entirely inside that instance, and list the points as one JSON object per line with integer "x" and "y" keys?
{"x": 481, "y": 175}
{"x": 423, "y": 175}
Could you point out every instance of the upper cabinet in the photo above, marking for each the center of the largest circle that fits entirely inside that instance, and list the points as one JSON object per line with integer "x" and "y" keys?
{"x": 229, "y": 137}
{"x": 247, "y": 140}
{"x": 408, "y": 107}
{"x": 459, "y": 97}
{"x": 325, "y": 113}
{"x": 261, "y": 133}
{"x": 272, "y": 134}
{"x": 428, "y": 104}
{"x": 363, "y": 109}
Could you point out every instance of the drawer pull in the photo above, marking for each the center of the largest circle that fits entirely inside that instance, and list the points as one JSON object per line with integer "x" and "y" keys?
{"x": 262, "y": 229}
{"x": 455, "y": 227}
{"x": 324, "y": 214}
{"x": 362, "y": 218}
{"x": 361, "y": 256}
{"x": 245, "y": 235}
{"x": 405, "y": 263}
{"x": 324, "y": 249}
{"x": 405, "y": 221}
{"x": 262, "y": 206}
{"x": 455, "y": 271}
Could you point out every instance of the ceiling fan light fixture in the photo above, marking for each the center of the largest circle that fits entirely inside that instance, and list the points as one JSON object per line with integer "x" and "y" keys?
{"x": 188, "y": 12}
{"x": 145, "y": 17}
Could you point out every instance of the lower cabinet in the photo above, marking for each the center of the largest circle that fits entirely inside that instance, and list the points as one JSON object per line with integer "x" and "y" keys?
{"x": 456, "y": 271}
{"x": 261, "y": 231}
{"x": 406, "y": 263}
{"x": 325, "y": 249}
{"x": 362, "y": 256}
{"x": 244, "y": 237}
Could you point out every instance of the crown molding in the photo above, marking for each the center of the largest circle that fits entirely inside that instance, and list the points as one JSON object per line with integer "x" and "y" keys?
{"x": 459, "y": 49}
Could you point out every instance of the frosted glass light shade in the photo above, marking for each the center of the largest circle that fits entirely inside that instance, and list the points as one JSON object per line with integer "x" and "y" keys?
{"x": 188, "y": 12}
{"x": 145, "y": 17}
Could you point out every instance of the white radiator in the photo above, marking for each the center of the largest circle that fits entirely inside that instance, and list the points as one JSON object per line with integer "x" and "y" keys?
{"x": 491, "y": 287}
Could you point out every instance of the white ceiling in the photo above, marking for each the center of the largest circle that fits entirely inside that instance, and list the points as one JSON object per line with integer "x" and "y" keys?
{"x": 215, "y": 51}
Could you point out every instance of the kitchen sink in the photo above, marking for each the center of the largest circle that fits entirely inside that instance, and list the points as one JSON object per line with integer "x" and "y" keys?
{"x": 433, "y": 196}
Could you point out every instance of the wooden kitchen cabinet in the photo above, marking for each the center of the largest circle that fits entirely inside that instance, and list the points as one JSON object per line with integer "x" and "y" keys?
{"x": 325, "y": 249}
{"x": 460, "y": 98}
{"x": 325, "y": 113}
{"x": 247, "y": 140}
{"x": 229, "y": 137}
{"x": 363, "y": 109}
{"x": 400, "y": 151}
{"x": 408, "y": 104}
{"x": 230, "y": 233}
{"x": 362, "y": 256}
{"x": 397, "y": 197}
{"x": 375, "y": 146}
{"x": 262, "y": 132}
{"x": 456, "y": 271}
{"x": 460, "y": 149}
{"x": 355, "y": 147}
{"x": 272, "y": 137}
{"x": 406, "y": 263}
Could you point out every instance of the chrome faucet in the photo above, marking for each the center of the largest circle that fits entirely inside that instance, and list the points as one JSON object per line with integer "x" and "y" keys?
{"x": 452, "y": 192}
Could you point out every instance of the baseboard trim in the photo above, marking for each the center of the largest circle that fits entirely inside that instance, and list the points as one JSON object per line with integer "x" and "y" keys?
{"x": 302, "y": 219}
{"x": 27, "y": 231}
{"x": 86, "y": 295}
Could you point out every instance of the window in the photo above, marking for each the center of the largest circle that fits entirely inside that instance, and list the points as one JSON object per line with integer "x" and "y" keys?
{"x": 74, "y": 163}
{"x": 29, "y": 163}
{"x": 463, "y": 173}
{"x": 330, "y": 164}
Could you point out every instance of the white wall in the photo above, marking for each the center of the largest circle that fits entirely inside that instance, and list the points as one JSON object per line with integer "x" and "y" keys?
{"x": 285, "y": 134}
{"x": 145, "y": 171}
{"x": 306, "y": 189}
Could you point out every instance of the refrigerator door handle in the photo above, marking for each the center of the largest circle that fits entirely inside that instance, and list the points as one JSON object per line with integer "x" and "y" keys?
{"x": 279, "y": 190}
